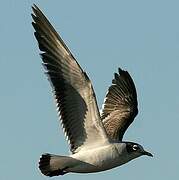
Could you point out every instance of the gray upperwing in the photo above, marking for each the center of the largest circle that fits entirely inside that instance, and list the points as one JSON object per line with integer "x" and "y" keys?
{"x": 75, "y": 98}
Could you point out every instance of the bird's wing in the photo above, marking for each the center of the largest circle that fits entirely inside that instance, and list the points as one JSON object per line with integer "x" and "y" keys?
{"x": 75, "y": 98}
{"x": 120, "y": 105}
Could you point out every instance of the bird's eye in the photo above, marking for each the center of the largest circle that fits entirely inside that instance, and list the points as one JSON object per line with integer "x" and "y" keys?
{"x": 135, "y": 147}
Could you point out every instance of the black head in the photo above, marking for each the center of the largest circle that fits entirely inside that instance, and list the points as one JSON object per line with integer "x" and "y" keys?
{"x": 136, "y": 149}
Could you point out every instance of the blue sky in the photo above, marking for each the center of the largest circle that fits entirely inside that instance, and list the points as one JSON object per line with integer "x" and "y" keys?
{"x": 139, "y": 36}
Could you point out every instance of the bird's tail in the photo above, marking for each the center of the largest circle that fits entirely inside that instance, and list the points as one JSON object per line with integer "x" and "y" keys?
{"x": 53, "y": 165}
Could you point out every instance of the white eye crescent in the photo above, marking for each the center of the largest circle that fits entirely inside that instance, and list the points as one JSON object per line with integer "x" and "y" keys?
{"x": 135, "y": 147}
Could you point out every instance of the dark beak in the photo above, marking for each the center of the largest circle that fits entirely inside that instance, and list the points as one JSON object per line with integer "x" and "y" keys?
{"x": 147, "y": 153}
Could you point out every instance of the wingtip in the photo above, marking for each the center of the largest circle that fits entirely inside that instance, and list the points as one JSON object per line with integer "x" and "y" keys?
{"x": 35, "y": 9}
{"x": 116, "y": 75}
{"x": 34, "y": 6}
{"x": 120, "y": 70}
{"x": 33, "y": 18}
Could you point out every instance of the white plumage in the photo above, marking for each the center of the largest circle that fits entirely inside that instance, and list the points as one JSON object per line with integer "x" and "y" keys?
{"x": 95, "y": 140}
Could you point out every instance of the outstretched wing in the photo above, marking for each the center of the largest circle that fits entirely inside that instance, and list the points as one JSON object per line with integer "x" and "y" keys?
{"x": 120, "y": 105}
{"x": 75, "y": 98}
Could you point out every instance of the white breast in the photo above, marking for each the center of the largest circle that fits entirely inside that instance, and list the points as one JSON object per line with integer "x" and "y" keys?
{"x": 98, "y": 159}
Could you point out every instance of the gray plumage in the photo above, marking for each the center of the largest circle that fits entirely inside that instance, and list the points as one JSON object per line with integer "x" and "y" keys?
{"x": 95, "y": 141}
{"x": 75, "y": 98}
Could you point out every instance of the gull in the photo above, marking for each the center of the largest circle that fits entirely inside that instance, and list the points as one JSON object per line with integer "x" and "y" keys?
{"x": 95, "y": 139}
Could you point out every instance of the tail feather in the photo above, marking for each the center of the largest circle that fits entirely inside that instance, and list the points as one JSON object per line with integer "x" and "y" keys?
{"x": 53, "y": 165}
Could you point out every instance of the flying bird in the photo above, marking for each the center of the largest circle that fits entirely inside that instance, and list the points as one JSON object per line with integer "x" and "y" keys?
{"x": 95, "y": 139}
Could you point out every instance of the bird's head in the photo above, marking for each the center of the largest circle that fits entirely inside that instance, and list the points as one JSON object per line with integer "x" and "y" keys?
{"x": 135, "y": 150}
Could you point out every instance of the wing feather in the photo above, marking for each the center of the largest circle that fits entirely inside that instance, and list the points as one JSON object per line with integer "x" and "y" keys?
{"x": 75, "y": 98}
{"x": 120, "y": 105}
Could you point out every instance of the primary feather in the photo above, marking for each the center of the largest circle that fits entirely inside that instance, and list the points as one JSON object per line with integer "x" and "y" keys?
{"x": 75, "y": 98}
{"x": 120, "y": 105}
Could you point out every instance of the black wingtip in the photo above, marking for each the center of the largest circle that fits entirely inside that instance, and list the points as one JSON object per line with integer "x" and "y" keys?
{"x": 121, "y": 71}
{"x": 116, "y": 75}
{"x": 34, "y": 7}
{"x": 34, "y": 19}
{"x": 35, "y": 10}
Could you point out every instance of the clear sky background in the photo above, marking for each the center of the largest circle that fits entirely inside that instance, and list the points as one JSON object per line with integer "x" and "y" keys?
{"x": 140, "y": 36}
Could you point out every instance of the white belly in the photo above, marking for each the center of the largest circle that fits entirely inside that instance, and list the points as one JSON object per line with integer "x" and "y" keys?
{"x": 98, "y": 159}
